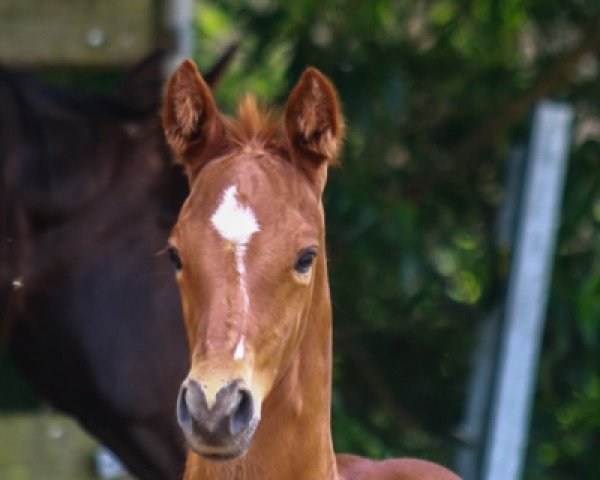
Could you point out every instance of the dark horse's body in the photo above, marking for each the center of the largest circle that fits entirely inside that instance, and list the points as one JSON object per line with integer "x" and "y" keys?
{"x": 87, "y": 197}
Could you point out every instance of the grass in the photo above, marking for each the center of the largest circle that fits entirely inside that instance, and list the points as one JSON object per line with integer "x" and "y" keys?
{"x": 45, "y": 446}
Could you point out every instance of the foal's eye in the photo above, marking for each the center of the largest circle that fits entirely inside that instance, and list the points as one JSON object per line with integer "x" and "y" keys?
{"x": 174, "y": 257}
{"x": 305, "y": 259}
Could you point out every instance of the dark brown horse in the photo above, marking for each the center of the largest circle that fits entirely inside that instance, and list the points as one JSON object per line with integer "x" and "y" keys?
{"x": 87, "y": 198}
{"x": 249, "y": 250}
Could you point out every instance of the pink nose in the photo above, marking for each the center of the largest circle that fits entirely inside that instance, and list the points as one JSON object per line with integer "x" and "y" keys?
{"x": 228, "y": 422}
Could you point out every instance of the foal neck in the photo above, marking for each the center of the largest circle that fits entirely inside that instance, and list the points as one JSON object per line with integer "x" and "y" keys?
{"x": 293, "y": 440}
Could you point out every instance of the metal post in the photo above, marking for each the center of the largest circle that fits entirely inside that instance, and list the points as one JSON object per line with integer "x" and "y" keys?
{"x": 472, "y": 430}
{"x": 527, "y": 293}
{"x": 179, "y": 26}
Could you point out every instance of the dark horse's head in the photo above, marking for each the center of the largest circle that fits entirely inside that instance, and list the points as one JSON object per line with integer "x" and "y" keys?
{"x": 60, "y": 152}
{"x": 87, "y": 198}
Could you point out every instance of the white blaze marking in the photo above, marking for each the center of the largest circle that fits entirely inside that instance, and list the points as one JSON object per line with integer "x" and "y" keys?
{"x": 236, "y": 223}
{"x": 239, "y": 350}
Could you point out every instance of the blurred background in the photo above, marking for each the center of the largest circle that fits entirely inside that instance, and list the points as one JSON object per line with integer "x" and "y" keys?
{"x": 436, "y": 93}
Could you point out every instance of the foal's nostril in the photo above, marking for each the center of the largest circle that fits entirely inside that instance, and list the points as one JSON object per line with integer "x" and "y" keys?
{"x": 242, "y": 414}
{"x": 184, "y": 418}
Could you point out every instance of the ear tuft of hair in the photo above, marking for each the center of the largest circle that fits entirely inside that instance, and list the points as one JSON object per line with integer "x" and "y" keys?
{"x": 313, "y": 118}
{"x": 190, "y": 116}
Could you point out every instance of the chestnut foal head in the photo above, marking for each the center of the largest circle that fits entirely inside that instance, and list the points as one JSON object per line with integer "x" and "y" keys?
{"x": 248, "y": 247}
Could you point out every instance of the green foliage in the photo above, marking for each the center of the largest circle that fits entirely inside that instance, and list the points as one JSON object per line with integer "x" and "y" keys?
{"x": 15, "y": 393}
{"x": 434, "y": 92}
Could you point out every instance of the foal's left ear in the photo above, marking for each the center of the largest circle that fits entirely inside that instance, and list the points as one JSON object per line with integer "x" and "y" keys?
{"x": 314, "y": 124}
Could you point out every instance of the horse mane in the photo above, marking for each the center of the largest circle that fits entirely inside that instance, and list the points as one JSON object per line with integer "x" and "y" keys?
{"x": 256, "y": 126}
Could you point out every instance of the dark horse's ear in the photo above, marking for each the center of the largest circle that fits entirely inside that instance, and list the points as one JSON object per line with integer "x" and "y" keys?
{"x": 314, "y": 124}
{"x": 192, "y": 123}
{"x": 141, "y": 89}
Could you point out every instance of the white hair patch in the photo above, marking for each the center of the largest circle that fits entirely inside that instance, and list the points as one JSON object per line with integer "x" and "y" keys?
{"x": 234, "y": 221}
{"x": 237, "y": 223}
{"x": 239, "y": 350}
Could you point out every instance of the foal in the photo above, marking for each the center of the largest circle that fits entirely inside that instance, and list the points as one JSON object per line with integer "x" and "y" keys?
{"x": 249, "y": 249}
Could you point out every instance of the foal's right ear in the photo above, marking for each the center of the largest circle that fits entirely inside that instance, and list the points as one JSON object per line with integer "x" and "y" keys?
{"x": 191, "y": 120}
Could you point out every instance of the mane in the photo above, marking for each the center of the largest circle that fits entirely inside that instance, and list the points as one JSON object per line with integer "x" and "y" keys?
{"x": 255, "y": 125}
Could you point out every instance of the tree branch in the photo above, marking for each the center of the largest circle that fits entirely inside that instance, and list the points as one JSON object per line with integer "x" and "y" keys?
{"x": 471, "y": 148}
